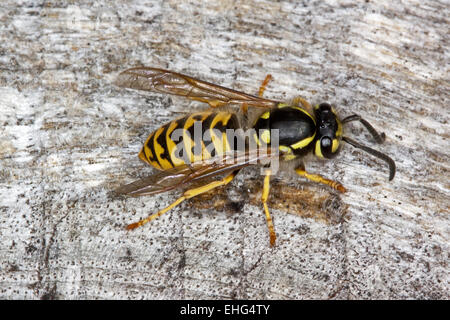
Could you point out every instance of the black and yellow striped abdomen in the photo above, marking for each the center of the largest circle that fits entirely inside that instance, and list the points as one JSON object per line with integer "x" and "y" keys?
{"x": 193, "y": 138}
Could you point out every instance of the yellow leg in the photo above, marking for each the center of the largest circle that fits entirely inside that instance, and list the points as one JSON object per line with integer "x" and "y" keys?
{"x": 186, "y": 195}
{"x": 244, "y": 108}
{"x": 299, "y": 101}
{"x": 264, "y": 197}
{"x": 317, "y": 178}
{"x": 264, "y": 84}
{"x": 212, "y": 103}
{"x": 262, "y": 88}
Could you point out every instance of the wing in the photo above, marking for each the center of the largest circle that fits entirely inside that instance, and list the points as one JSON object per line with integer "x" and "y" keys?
{"x": 164, "y": 81}
{"x": 184, "y": 175}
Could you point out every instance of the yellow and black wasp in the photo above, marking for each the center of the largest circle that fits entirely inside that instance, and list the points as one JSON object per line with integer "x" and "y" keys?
{"x": 300, "y": 128}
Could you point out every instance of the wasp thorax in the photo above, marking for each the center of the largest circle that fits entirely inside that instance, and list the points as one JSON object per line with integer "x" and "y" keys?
{"x": 329, "y": 131}
{"x": 296, "y": 129}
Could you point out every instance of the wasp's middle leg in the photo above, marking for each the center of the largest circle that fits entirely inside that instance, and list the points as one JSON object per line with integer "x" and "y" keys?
{"x": 264, "y": 197}
{"x": 300, "y": 102}
{"x": 262, "y": 88}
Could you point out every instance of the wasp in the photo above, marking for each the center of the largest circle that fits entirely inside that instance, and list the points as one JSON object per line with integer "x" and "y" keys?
{"x": 301, "y": 128}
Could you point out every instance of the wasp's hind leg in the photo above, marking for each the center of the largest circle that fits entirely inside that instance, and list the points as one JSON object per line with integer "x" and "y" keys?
{"x": 264, "y": 197}
{"x": 186, "y": 195}
{"x": 318, "y": 178}
{"x": 264, "y": 84}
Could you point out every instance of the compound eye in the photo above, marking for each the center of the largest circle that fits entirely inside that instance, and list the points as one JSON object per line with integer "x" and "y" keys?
{"x": 328, "y": 147}
{"x": 325, "y": 143}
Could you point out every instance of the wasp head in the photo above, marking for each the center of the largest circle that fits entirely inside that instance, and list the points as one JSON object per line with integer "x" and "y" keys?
{"x": 329, "y": 131}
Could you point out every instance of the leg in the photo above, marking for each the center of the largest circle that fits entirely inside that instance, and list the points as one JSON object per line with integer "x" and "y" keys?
{"x": 212, "y": 103}
{"x": 318, "y": 178}
{"x": 186, "y": 195}
{"x": 300, "y": 102}
{"x": 262, "y": 88}
{"x": 265, "y": 195}
{"x": 264, "y": 85}
{"x": 244, "y": 109}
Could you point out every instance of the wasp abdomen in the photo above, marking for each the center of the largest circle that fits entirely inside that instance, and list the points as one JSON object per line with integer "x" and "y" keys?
{"x": 196, "y": 137}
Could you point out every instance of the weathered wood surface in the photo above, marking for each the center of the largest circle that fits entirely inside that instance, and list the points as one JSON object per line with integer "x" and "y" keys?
{"x": 68, "y": 136}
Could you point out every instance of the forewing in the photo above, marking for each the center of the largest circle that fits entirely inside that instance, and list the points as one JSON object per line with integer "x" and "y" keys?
{"x": 184, "y": 175}
{"x": 164, "y": 81}
{"x": 160, "y": 182}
